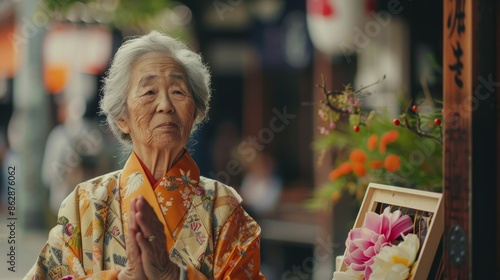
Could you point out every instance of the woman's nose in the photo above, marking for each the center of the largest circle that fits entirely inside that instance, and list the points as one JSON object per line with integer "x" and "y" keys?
{"x": 165, "y": 103}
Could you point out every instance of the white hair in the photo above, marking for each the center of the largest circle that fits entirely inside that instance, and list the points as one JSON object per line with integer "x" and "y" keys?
{"x": 117, "y": 83}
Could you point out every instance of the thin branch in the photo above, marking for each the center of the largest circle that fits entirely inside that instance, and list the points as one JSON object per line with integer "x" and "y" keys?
{"x": 418, "y": 122}
{"x": 416, "y": 129}
{"x": 365, "y": 87}
{"x": 428, "y": 96}
{"x": 328, "y": 94}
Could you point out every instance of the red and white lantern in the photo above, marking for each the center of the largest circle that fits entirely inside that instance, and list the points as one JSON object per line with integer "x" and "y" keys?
{"x": 70, "y": 48}
{"x": 332, "y": 24}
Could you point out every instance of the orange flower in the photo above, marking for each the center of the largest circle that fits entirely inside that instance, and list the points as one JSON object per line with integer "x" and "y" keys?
{"x": 357, "y": 156}
{"x": 387, "y": 138}
{"x": 390, "y": 136}
{"x": 359, "y": 169}
{"x": 376, "y": 164}
{"x": 392, "y": 163}
{"x": 382, "y": 148}
{"x": 372, "y": 142}
{"x": 345, "y": 168}
{"x": 334, "y": 174}
{"x": 335, "y": 196}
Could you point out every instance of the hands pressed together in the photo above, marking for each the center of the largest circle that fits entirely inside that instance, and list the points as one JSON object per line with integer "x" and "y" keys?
{"x": 146, "y": 246}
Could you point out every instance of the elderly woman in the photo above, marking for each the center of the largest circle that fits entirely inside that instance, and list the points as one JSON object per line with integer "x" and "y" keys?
{"x": 157, "y": 218}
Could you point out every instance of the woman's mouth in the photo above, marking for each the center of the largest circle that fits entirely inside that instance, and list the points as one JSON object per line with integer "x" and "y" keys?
{"x": 167, "y": 125}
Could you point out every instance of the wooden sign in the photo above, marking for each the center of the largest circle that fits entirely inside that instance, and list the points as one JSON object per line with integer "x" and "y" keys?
{"x": 457, "y": 83}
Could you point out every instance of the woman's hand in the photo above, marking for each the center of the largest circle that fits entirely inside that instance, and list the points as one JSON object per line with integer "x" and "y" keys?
{"x": 152, "y": 242}
{"x": 134, "y": 268}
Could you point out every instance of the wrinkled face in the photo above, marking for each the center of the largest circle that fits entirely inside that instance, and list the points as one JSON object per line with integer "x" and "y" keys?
{"x": 160, "y": 106}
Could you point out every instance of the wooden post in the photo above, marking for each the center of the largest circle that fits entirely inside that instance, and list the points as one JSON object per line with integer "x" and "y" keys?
{"x": 322, "y": 164}
{"x": 253, "y": 96}
{"x": 457, "y": 89}
{"x": 337, "y": 72}
{"x": 470, "y": 143}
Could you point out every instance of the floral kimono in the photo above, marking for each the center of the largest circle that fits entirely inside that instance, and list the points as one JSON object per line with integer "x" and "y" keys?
{"x": 209, "y": 235}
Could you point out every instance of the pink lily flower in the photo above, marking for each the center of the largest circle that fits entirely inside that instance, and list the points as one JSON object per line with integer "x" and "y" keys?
{"x": 378, "y": 231}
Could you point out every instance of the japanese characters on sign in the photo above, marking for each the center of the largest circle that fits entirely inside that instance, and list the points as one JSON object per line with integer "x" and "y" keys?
{"x": 456, "y": 23}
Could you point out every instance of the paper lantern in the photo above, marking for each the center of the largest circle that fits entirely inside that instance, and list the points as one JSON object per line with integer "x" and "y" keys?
{"x": 95, "y": 56}
{"x": 9, "y": 59}
{"x": 58, "y": 55}
{"x": 333, "y": 24}
{"x": 72, "y": 48}
{"x": 56, "y": 77}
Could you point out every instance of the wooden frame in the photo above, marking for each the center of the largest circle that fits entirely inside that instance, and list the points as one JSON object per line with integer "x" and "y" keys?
{"x": 377, "y": 195}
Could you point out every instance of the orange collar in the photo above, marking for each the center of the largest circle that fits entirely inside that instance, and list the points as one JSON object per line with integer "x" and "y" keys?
{"x": 172, "y": 197}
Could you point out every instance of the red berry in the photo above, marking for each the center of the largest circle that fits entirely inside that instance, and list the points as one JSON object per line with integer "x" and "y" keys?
{"x": 437, "y": 121}
{"x": 396, "y": 122}
{"x": 356, "y": 128}
{"x": 414, "y": 108}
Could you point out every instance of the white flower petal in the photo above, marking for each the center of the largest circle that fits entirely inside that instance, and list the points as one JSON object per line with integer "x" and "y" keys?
{"x": 394, "y": 262}
{"x": 349, "y": 274}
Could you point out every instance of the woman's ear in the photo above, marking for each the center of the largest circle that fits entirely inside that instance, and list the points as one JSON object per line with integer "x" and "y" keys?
{"x": 123, "y": 125}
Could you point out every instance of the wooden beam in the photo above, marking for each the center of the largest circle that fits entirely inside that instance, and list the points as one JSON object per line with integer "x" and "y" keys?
{"x": 253, "y": 95}
{"x": 322, "y": 164}
{"x": 471, "y": 138}
{"x": 457, "y": 91}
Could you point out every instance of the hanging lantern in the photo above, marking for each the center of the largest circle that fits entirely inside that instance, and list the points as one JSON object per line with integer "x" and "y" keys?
{"x": 95, "y": 49}
{"x": 8, "y": 54}
{"x": 56, "y": 77}
{"x": 72, "y": 48}
{"x": 334, "y": 24}
{"x": 58, "y": 53}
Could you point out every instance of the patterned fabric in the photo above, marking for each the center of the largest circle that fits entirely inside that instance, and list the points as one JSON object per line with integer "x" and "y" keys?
{"x": 209, "y": 235}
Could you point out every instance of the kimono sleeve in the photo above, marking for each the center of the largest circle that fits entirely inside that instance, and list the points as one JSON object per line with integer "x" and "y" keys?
{"x": 61, "y": 253}
{"x": 61, "y": 256}
{"x": 237, "y": 253}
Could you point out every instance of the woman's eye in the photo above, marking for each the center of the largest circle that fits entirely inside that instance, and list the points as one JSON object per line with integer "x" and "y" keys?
{"x": 149, "y": 92}
{"x": 178, "y": 92}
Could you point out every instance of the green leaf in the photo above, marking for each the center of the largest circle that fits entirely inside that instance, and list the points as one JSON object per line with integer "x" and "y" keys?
{"x": 354, "y": 119}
